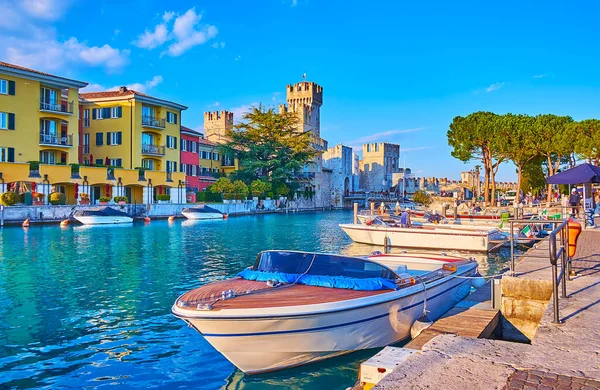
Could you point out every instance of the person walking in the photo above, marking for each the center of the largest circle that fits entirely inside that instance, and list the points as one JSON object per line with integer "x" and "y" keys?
{"x": 574, "y": 201}
{"x": 405, "y": 221}
{"x": 597, "y": 203}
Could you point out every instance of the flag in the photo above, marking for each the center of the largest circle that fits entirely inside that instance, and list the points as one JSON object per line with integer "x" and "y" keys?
{"x": 304, "y": 76}
{"x": 501, "y": 224}
{"x": 527, "y": 231}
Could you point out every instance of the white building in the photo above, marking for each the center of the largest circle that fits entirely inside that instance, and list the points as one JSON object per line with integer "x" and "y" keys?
{"x": 339, "y": 160}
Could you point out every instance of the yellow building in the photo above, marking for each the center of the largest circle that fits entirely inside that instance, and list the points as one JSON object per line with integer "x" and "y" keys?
{"x": 39, "y": 115}
{"x": 130, "y": 129}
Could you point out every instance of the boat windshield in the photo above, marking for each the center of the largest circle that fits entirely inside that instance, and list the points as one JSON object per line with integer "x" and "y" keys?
{"x": 321, "y": 264}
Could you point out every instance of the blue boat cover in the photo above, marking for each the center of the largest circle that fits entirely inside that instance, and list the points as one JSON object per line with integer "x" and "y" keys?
{"x": 365, "y": 284}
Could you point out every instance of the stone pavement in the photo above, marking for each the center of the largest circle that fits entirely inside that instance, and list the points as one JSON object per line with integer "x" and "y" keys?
{"x": 570, "y": 350}
{"x": 540, "y": 380}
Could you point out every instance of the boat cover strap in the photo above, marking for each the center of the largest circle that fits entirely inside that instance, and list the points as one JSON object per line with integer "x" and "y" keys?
{"x": 365, "y": 284}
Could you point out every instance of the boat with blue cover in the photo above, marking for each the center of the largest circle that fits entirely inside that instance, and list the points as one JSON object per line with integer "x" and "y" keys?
{"x": 101, "y": 216}
{"x": 202, "y": 212}
{"x": 292, "y": 308}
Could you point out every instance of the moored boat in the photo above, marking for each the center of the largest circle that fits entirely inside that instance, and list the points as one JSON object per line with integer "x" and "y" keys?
{"x": 293, "y": 308}
{"x": 202, "y": 212}
{"x": 101, "y": 216}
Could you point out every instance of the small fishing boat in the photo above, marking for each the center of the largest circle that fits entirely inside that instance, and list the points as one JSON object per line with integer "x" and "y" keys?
{"x": 431, "y": 236}
{"x": 202, "y": 212}
{"x": 101, "y": 216}
{"x": 293, "y": 308}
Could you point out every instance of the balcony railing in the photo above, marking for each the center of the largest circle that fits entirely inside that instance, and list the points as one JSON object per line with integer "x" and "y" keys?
{"x": 49, "y": 139}
{"x": 304, "y": 175}
{"x": 56, "y": 106}
{"x": 227, "y": 161}
{"x": 151, "y": 121}
{"x": 156, "y": 150}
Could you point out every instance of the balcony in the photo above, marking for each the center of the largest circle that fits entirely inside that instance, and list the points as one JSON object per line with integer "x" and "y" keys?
{"x": 155, "y": 123}
{"x": 304, "y": 175}
{"x": 227, "y": 161}
{"x": 56, "y": 106}
{"x": 54, "y": 140}
{"x": 153, "y": 150}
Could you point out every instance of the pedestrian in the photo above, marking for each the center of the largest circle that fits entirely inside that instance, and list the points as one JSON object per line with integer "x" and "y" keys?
{"x": 574, "y": 201}
{"x": 597, "y": 203}
{"x": 405, "y": 221}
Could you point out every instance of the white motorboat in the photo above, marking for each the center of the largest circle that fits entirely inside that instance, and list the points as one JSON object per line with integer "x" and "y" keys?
{"x": 202, "y": 212}
{"x": 294, "y": 308}
{"x": 431, "y": 236}
{"x": 101, "y": 216}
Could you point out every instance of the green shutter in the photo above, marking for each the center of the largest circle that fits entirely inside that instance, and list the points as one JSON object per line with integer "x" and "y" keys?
{"x": 93, "y": 113}
{"x": 11, "y": 121}
{"x": 11, "y": 155}
{"x": 119, "y": 138}
{"x": 108, "y": 138}
{"x": 11, "y": 87}
{"x": 99, "y": 139}
{"x": 175, "y": 118}
{"x": 175, "y": 143}
{"x": 106, "y": 113}
{"x": 120, "y": 112}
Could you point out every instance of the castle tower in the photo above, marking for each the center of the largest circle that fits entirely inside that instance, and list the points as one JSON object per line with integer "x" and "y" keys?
{"x": 217, "y": 124}
{"x": 305, "y": 98}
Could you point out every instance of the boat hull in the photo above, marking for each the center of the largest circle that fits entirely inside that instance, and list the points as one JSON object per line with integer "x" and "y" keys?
{"x": 267, "y": 343}
{"x": 432, "y": 238}
{"x": 103, "y": 220}
{"x": 199, "y": 216}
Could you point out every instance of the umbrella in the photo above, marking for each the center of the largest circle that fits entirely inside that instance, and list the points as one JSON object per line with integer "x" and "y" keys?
{"x": 107, "y": 190}
{"x": 33, "y": 187}
{"x": 160, "y": 190}
{"x": 91, "y": 160}
{"x": 106, "y": 161}
{"x": 581, "y": 174}
{"x": 76, "y": 190}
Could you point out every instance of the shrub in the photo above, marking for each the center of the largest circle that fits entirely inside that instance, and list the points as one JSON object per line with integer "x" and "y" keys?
{"x": 37, "y": 196}
{"x": 240, "y": 189}
{"x": 163, "y": 197}
{"x": 118, "y": 199}
{"x": 9, "y": 198}
{"x": 270, "y": 195}
{"x": 104, "y": 199}
{"x": 221, "y": 186}
{"x": 422, "y": 197}
{"x": 84, "y": 196}
{"x": 201, "y": 196}
{"x": 217, "y": 198}
{"x": 56, "y": 198}
{"x": 282, "y": 190}
{"x": 258, "y": 187}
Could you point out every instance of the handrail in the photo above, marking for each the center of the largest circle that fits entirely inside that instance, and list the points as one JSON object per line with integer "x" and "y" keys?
{"x": 556, "y": 251}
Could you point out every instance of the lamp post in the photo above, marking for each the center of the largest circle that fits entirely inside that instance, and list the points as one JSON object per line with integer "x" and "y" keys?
{"x": 150, "y": 190}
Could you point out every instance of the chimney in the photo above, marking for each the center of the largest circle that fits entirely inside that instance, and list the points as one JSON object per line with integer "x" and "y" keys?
{"x": 123, "y": 89}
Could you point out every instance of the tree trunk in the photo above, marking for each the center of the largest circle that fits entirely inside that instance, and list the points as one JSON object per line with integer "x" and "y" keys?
{"x": 550, "y": 173}
{"x": 486, "y": 181}
{"x": 519, "y": 176}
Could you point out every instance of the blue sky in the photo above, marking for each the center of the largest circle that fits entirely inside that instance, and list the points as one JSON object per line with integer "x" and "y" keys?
{"x": 391, "y": 71}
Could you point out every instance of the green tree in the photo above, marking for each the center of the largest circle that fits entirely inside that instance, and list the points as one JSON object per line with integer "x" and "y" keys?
{"x": 554, "y": 141}
{"x": 533, "y": 178}
{"x": 269, "y": 144}
{"x": 221, "y": 186}
{"x": 259, "y": 187}
{"x": 240, "y": 189}
{"x": 587, "y": 143}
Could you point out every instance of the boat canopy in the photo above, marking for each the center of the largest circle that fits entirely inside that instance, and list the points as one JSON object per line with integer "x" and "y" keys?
{"x": 100, "y": 212}
{"x": 322, "y": 270}
{"x": 201, "y": 209}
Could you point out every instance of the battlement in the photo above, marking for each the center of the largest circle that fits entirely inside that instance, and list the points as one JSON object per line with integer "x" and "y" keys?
{"x": 381, "y": 148}
{"x": 307, "y": 91}
{"x": 223, "y": 115}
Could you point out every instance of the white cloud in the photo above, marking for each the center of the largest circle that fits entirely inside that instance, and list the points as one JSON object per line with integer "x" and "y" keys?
{"x": 238, "y": 58}
{"x": 218, "y": 45}
{"x": 186, "y": 32}
{"x": 238, "y": 112}
{"x": 539, "y": 76}
{"x": 294, "y": 3}
{"x": 45, "y": 9}
{"x": 106, "y": 55}
{"x": 275, "y": 96}
{"x": 415, "y": 149}
{"x": 154, "y": 82}
{"x": 92, "y": 87}
{"x": 384, "y": 134}
{"x": 152, "y": 39}
{"x": 139, "y": 87}
{"x": 494, "y": 87}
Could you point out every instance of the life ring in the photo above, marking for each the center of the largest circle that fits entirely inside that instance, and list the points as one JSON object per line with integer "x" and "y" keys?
{"x": 574, "y": 232}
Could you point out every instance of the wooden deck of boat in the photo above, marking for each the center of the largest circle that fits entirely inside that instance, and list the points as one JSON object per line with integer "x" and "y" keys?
{"x": 264, "y": 296}
{"x": 473, "y": 317}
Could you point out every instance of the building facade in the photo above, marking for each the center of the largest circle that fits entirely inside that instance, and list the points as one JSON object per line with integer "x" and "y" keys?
{"x": 380, "y": 161}
{"x": 217, "y": 124}
{"x": 39, "y": 115}
{"x": 339, "y": 159}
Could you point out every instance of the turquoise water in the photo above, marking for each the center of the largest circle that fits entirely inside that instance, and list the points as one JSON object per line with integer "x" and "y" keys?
{"x": 90, "y": 306}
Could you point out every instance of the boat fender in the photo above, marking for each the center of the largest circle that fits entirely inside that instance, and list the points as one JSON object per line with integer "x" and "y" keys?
{"x": 64, "y": 223}
{"x": 369, "y": 222}
{"x": 419, "y": 326}
{"x": 147, "y": 219}
{"x": 273, "y": 283}
{"x": 25, "y": 223}
{"x": 225, "y": 216}
{"x": 574, "y": 232}
{"x": 478, "y": 282}
{"x": 171, "y": 218}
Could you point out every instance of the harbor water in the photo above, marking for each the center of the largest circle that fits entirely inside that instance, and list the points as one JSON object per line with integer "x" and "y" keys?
{"x": 89, "y": 307}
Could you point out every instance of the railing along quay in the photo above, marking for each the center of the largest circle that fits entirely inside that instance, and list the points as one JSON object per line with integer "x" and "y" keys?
{"x": 556, "y": 250}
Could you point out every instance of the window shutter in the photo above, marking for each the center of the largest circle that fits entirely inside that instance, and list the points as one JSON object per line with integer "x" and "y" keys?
{"x": 93, "y": 113}
{"x": 182, "y": 144}
{"x": 119, "y": 112}
{"x": 174, "y": 118}
{"x": 11, "y": 87}
{"x": 11, "y": 121}
{"x": 174, "y": 166}
{"x": 11, "y": 154}
{"x": 120, "y": 138}
{"x": 99, "y": 139}
{"x": 106, "y": 112}
{"x": 175, "y": 143}
{"x": 108, "y": 138}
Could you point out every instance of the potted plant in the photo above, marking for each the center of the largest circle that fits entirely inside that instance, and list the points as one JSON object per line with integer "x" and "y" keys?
{"x": 9, "y": 198}
{"x": 56, "y": 198}
{"x": 163, "y": 198}
{"x": 84, "y": 198}
{"x": 120, "y": 199}
{"x": 38, "y": 198}
{"x": 104, "y": 200}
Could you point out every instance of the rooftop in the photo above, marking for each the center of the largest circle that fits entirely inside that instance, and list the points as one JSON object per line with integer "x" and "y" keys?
{"x": 191, "y": 131}
{"x": 20, "y": 70}
{"x": 126, "y": 93}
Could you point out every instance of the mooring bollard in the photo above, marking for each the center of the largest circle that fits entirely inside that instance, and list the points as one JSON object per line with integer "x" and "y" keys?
{"x": 355, "y": 213}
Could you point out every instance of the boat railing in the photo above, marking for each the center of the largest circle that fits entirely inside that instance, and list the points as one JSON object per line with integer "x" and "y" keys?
{"x": 558, "y": 254}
